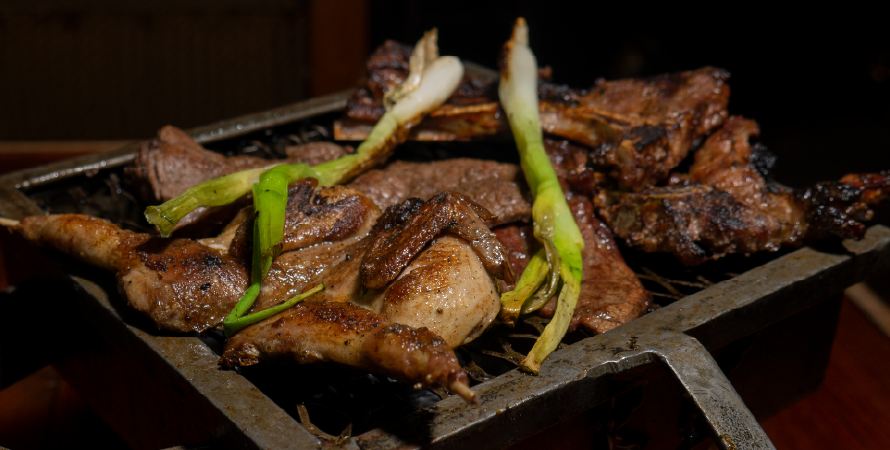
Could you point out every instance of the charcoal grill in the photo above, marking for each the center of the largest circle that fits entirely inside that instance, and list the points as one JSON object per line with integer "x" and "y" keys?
{"x": 245, "y": 409}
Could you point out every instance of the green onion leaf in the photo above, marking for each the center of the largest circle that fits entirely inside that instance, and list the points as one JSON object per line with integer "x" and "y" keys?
{"x": 554, "y": 224}
{"x": 235, "y": 322}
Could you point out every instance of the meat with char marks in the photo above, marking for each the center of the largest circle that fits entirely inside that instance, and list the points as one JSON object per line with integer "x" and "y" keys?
{"x": 639, "y": 129}
{"x": 165, "y": 167}
{"x": 726, "y": 205}
{"x": 440, "y": 298}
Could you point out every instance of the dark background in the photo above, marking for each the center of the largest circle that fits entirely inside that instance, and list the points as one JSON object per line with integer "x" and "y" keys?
{"x": 818, "y": 82}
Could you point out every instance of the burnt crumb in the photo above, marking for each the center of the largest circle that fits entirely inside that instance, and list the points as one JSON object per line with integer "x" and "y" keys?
{"x": 644, "y": 136}
{"x": 213, "y": 261}
{"x": 762, "y": 160}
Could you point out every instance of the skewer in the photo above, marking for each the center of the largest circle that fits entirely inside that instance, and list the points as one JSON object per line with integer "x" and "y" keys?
{"x": 464, "y": 391}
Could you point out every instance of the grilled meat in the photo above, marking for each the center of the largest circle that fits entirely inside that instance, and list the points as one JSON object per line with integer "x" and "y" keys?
{"x": 165, "y": 167}
{"x": 313, "y": 216}
{"x": 439, "y": 297}
{"x": 313, "y": 252}
{"x": 426, "y": 291}
{"x": 642, "y": 128}
{"x": 181, "y": 285}
{"x": 316, "y": 331}
{"x": 639, "y": 128}
{"x": 399, "y": 240}
{"x": 611, "y": 293}
{"x": 499, "y": 188}
{"x": 725, "y": 204}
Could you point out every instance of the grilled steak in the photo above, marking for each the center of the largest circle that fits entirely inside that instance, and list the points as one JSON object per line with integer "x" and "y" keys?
{"x": 639, "y": 128}
{"x": 499, "y": 188}
{"x": 611, "y": 293}
{"x": 725, "y": 204}
{"x": 642, "y": 128}
{"x": 165, "y": 167}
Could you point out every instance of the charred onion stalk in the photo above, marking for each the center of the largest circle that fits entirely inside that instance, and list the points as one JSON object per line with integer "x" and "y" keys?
{"x": 554, "y": 224}
{"x": 433, "y": 78}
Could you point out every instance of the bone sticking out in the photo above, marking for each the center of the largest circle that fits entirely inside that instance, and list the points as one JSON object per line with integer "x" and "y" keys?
{"x": 9, "y": 223}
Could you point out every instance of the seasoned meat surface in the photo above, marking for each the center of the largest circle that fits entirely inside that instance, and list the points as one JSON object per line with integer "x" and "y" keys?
{"x": 167, "y": 166}
{"x": 401, "y": 237}
{"x": 314, "y": 331}
{"x": 446, "y": 289}
{"x": 725, "y": 204}
{"x": 639, "y": 128}
{"x": 178, "y": 283}
{"x": 611, "y": 293}
{"x": 498, "y": 187}
{"x": 314, "y": 215}
{"x": 643, "y": 127}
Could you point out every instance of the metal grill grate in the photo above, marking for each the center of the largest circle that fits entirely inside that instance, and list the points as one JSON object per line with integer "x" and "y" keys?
{"x": 347, "y": 401}
{"x": 701, "y": 310}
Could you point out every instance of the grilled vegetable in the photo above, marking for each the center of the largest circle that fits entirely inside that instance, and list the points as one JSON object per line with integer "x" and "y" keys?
{"x": 237, "y": 320}
{"x": 554, "y": 224}
{"x": 432, "y": 82}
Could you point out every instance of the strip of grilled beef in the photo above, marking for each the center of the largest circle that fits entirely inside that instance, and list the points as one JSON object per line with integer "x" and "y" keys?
{"x": 611, "y": 293}
{"x": 726, "y": 205}
{"x": 498, "y": 187}
{"x": 165, "y": 167}
{"x": 639, "y": 128}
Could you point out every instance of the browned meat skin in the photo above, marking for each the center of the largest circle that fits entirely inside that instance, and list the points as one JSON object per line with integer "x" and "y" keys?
{"x": 500, "y": 188}
{"x": 875, "y": 185}
{"x": 180, "y": 284}
{"x": 314, "y": 215}
{"x": 316, "y": 331}
{"x": 727, "y": 206}
{"x": 611, "y": 293}
{"x": 445, "y": 288}
{"x": 641, "y": 127}
{"x": 167, "y": 166}
{"x": 334, "y": 263}
{"x": 184, "y": 286}
{"x": 399, "y": 241}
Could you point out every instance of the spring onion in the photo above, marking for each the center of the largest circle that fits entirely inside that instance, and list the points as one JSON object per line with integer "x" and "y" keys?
{"x": 554, "y": 224}
{"x": 237, "y": 320}
{"x": 432, "y": 80}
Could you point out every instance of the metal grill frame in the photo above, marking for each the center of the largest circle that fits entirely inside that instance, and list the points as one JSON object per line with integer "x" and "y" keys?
{"x": 512, "y": 406}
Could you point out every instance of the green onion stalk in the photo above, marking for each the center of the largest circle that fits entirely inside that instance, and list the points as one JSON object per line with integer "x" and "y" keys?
{"x": 558, "y": 265}
{"x": 433, "y": 79}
